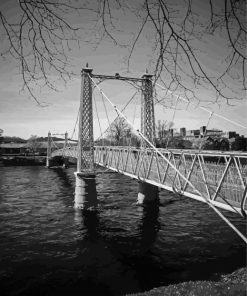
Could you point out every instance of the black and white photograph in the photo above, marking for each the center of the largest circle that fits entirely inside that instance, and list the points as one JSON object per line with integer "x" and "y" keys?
{"x": 123, "y": 147}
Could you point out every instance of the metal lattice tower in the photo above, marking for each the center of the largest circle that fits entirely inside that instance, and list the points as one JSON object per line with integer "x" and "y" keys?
{"x": 85, "y": 160}
{"x": 147, "y": 109}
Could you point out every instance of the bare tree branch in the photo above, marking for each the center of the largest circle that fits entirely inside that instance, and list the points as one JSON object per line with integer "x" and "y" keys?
{"x": 177, "y": 32}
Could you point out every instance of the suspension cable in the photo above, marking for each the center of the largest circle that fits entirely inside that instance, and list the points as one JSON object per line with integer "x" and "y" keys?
{"x": 173, "y": 117}
{"x": 205, "y": 131}
{"x": 133, "y": 122}
{"x": 203, "y": 108}
{"x": 173, "y": 166}
{"x": 134, "y": 112}
{"x": 54, "y": 143}
{"x": 109, "y": 124}
{"x": 118, "y": 115}
{"x": 75, "y": 123}
{"x": 97, "y": 114}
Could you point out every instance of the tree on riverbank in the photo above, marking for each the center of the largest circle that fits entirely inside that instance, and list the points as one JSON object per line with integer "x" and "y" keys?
{"x": 119, "y": 133}
{"x": 8, "y": 139}
{"x": 1, "y": 137}
{"x": 181, "y": 35}
{"x": 33, "y": 143}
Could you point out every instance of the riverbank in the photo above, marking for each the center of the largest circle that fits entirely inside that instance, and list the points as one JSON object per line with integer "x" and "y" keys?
{"x": 22, "y": 160}
{"x": 234, "y": 284}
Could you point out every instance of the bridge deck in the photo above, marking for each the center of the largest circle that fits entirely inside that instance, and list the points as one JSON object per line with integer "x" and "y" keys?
{"x": 219, "y": 177}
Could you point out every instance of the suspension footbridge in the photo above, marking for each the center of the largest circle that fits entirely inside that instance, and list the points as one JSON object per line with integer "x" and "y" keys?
{"x": 217, "y": 178}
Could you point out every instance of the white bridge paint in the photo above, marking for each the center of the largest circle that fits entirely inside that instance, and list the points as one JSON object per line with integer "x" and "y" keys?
{"x": 140, "y": 163}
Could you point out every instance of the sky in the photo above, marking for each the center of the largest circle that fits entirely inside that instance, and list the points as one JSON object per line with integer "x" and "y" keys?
{"x": 21, "y": 116}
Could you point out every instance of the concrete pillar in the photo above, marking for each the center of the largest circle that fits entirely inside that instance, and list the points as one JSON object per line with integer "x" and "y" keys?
{"x": 48, "y": 156}
{"x": 147, "y": 193}
{"x": 85, "y": 191}
{"x": 65, "y": 162}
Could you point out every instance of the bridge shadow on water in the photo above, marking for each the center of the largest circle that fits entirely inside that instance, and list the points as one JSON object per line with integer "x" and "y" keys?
{"x": 113, "y": 262}
{"x": 50, "y": 248}
{"x": 118, "y": 247}
{"x": 64, "y": 177}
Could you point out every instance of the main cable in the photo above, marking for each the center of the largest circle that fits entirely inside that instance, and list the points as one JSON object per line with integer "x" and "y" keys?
{"x": 174, "y": 167}
{"x": 96, "y": 109}
{"x": 203, "y": 108}
{"x": 118, "y": 115}
{"x": 75, "y": 123}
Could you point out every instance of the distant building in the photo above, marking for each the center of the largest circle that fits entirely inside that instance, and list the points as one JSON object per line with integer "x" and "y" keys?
{"x": 209, "y": 139}
{"x": 27, "y": 148}
{"x": 192, "y": 134}
{"x": 182, "y": 131}
{"x": 214, "y": 133}
{"x": 171, "y": 132}
{"x": 200, "y": 133}
{"x": 231, "y": 134}
{"x": 202, "y": 130}
{"x": 12, "y": 148}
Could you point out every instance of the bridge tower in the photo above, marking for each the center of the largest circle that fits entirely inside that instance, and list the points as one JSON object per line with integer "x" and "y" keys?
{"x": 65, "y": 139}
{"x": 48, "y": 156}
{"x": 147, "y": 109}
{"x": 65, "y": 159}
{"x": 147, "y": 192}
{"x": 85, "y": 189}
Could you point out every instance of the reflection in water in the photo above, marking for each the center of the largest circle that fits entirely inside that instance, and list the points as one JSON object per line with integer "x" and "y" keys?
{"x": 63, "y": 176}
{"x": 149, "y": 225}
{"x": 99, "y": 247}
{"x": 50, "y": 248}
{"x": 89, "y": 222}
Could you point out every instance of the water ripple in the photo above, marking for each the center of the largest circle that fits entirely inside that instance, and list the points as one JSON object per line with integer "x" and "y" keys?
{"x": 48, "y": 246}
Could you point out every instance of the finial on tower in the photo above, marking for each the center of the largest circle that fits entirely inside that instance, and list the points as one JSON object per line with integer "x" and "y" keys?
{"x": 86, "y": 69}
{"x": 146, "y": 75}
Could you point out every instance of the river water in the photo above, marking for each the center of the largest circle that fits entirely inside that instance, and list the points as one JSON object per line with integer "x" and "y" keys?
{"x": 49, "y": 248}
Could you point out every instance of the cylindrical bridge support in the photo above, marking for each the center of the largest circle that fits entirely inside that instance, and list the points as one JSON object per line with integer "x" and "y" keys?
{"x": 85, "y": 191}
{"x": 147, "y": 193}
{"x": 65, "y": 162}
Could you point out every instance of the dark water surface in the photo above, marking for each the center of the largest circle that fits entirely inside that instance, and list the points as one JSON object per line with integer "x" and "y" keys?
{"x": 49, "y": 248}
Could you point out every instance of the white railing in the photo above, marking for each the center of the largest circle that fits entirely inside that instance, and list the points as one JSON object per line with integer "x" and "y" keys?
{"x": 221, "y": 177}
